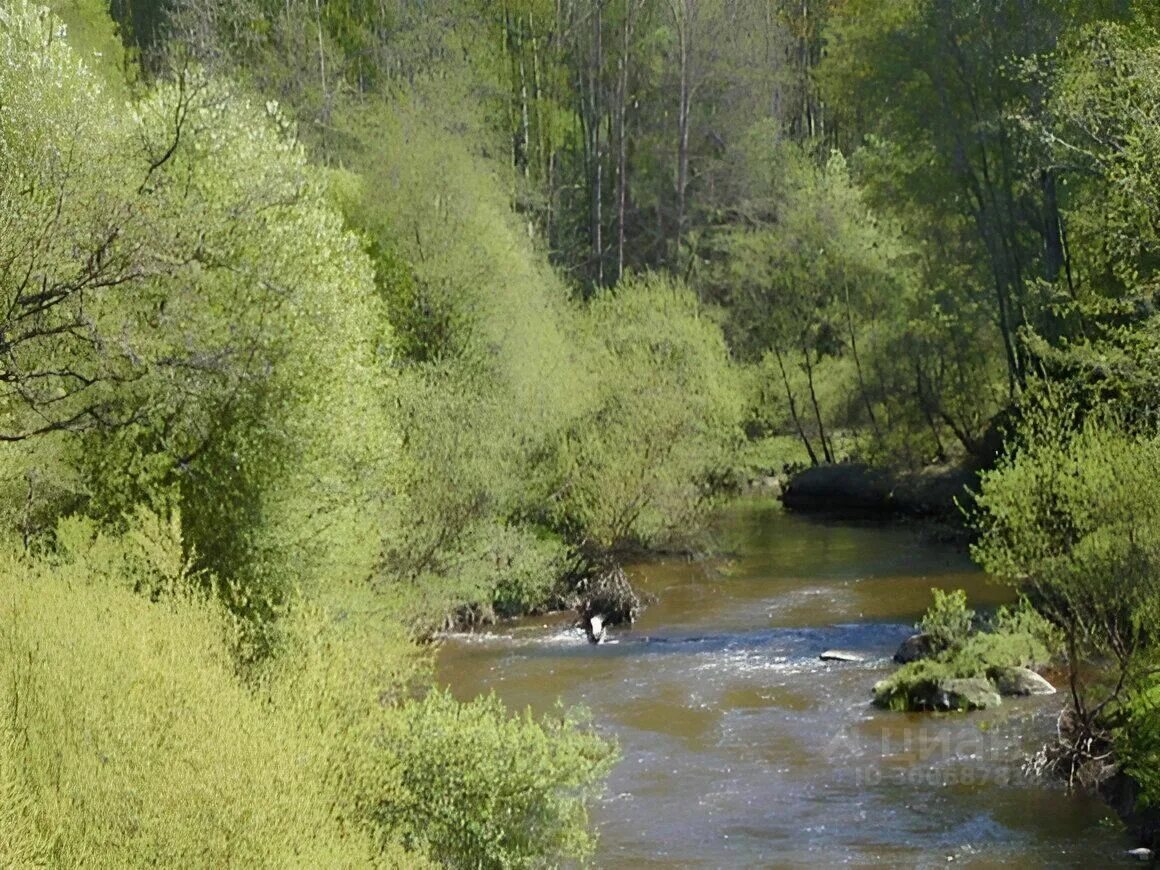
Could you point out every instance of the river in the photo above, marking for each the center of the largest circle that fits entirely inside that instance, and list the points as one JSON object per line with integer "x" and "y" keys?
{"x": 741, "y": 748}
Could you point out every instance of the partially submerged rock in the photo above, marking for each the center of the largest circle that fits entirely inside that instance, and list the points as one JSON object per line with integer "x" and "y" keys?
{"x": 1021, "y": 682}
{"x": 915, "y": 648}
{"x": 846, "y": 487}
{"x": 964, "y": 693}
{"x": 972, "y": 693}
{"x": 841, "y": 655}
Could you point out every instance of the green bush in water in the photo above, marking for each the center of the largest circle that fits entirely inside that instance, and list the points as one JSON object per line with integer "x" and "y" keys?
{"x": 948, "y": 621}
{"x": 914, "y": 684}
{"x": 1016, "y": 637}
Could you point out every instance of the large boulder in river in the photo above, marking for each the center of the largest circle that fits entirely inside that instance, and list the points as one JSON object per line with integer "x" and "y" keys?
{"x": 924, "y": 692}
{"x": 915, "y": 648}
{"x": 1021, "y": 681}
{"x": 857, "y": 488}
{"x": 972, "y": 693}
{"x": 935, "y": 491}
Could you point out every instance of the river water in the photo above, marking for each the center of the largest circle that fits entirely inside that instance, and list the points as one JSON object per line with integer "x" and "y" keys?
{"x": 741, "y": 748}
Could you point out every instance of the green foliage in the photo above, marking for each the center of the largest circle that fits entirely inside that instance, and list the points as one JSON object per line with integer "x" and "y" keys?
{"x": 1110, "y": 72}
{"x": 825, "y": 294}
{"x": 477, "y": 788}
{"x": 910, "y": 687}
{"x": 217, "y": 346}
{"x": 131, "y": 734}
{"x": 227, "y": 488}
{"x": 948, "y": 621}
{"x": 130, "y": 739}
{"x": 528, "y": 566}
{"x": 1138, "y": 742}
{"x": 637, "y": 467}
{"x": 1069, "y": 513}
{"x": 1018, "y": 637}
{"x": 93, "y": 36}
{"x": 1036, "y": 640}
{"x": 518, "y": 407}
{"x": 1073, "y": 517}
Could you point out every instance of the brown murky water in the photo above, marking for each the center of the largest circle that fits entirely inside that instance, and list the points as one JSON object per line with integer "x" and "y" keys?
{"x": 742, "y": 749}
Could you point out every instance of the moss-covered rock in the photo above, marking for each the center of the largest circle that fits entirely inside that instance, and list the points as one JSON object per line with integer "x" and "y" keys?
{"x": 928, "y": 690}
{"x": 961, "y": 666}
{"x": 914, "y": 648}
{"x": 1020, "y": 681}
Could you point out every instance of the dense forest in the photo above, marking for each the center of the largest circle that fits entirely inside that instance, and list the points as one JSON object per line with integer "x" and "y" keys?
{"x": 330, "y": 324}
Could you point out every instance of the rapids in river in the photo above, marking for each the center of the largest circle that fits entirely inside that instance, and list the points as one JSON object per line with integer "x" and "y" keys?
{"x": 742, "y": 749}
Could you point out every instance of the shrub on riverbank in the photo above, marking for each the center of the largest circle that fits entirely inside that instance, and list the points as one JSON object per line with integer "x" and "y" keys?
{"x": 475, "y": 787}
{"x": 1073, "y": 516}
{"x": 131, "y": 739}
{"x": 636, "y": 469}
{"x": 536, "y": 428}
{"x": 128, "y": 738}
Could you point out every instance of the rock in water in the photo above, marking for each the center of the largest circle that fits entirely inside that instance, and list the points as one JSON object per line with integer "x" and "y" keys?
{"x": 1021, "y": 681}
{"x": 915, "y": 647}
{"x": 932, "y": 693}
{"x": 1140, "y": 854}
{"x": 966, "y": 694}
{"x": 841, "y": 655}
{"x": 843, "y": 487}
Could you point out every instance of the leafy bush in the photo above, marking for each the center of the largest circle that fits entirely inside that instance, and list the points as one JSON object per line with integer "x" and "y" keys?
{"x": 129, "y": 739}
{"x": 635, "y": 468}
{"x": 478, "y": 788}
{"x": 1073, "y": 516}
{"x": 22, "y": 844}
{"x": 910, "y": 687}
{"x": 521, "y": 413}
{"x": 528, "y": 567}
{"x": 1014, "y": 638}
{"x": 1034, "y": 641}
{"x": 213, "y": 340}
{"x": 948, "y": 621}
{"x": 1137, "y": 741}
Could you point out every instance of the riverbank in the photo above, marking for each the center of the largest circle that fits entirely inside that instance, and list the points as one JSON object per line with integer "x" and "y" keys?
{"x": 936, "y": 493}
